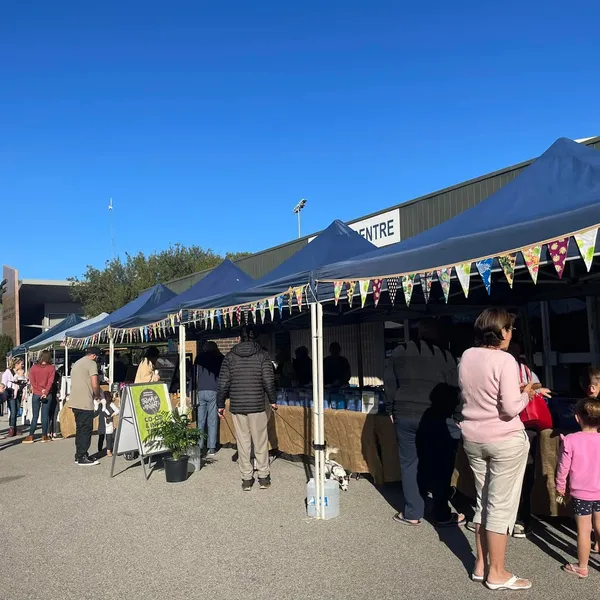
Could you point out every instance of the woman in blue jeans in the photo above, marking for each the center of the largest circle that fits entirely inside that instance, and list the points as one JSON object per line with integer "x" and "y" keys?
{"x": 206, "y": 369}
{"x": 12, "y": 392}
{"x": 41, "y": 377}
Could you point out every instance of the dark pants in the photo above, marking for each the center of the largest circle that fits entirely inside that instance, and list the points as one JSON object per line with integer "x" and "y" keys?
{"x": 84, "y": 425}
{"x": 427, "y": 449}
{"x": 13, "y": 406}
{"x": 36, "y": 404}
{"x": 110, "y": 441}
{"x": 524, "y": 514}
{"x": 52, "y": 415}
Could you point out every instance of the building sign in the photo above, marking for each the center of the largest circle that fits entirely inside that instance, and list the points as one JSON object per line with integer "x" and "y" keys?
{"x": 10, "y": 305}
{"x": 381, "y": 230}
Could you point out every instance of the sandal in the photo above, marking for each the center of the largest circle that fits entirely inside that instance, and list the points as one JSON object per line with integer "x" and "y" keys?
{"x": 455, "y": 520}
{"x": 575, "y": 570}
{"x": 399, "y": 518}
{"x": 511, "y": 585}
{"x": 477, "y": 578}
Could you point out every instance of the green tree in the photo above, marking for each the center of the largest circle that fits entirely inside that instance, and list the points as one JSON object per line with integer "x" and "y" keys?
{"x": 122, "y": 280}
{"x": 6, "y": 345}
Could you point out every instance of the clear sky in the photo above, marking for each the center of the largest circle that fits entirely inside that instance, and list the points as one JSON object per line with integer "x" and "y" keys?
{"x": 206, "y": 121}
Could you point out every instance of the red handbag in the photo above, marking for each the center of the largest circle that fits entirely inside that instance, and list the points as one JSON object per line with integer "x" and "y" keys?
{"x": 536, "y": 415}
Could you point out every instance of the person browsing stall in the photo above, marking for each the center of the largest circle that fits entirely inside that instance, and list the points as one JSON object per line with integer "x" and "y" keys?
{"x": 495, "y": 442}
{"x": 247, "y": 374}
{"x": 41, "y": 377}
{"x": 146, "y": 371}
{"x": 85, "y": 388}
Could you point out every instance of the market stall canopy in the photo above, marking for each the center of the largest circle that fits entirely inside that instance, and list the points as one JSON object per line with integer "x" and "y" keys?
{"x": 337, "y": 242}
{"x": 556, "y": 197}
{"x": 226, "y": 278}
{"x": 146, "y": 301}
{"x": 66, "y": 324}
{"x": 60, "y": 337}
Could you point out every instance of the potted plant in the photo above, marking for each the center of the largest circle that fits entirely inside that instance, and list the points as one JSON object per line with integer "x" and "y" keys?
{"x": 174, "y": 431}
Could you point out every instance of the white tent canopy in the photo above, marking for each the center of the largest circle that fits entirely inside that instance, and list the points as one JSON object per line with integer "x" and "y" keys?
{"x": 59, "y": 338}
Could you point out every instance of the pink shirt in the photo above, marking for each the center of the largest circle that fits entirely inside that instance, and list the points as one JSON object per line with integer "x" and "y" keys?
{"x": 580, "y": 462}
{"x": 491, "y": 394}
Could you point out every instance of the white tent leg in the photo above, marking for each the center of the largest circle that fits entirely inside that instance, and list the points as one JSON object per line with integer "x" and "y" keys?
{"x": 66, "y": 361}
{"x": 321, "y": 396}
{"x": 316, "y": 414}
{"x": 111, "y": 358}
{"x": 182, "y": 370}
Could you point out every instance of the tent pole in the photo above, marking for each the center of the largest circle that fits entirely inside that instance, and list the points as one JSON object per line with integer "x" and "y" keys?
{"x": 26, "y": 362}
{"x": 111, "y": 358}
{"x": 66, "y": 360}
{"x": 182, "y": 369}
{"x": 315, "y": 382}
{"x": 320, "y": 381}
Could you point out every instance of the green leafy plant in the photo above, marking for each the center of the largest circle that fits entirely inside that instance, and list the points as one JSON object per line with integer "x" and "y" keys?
{"x": 173, "y": 431}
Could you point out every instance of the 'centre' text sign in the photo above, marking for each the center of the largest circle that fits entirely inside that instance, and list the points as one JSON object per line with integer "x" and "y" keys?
{"x": 381, "y": 230}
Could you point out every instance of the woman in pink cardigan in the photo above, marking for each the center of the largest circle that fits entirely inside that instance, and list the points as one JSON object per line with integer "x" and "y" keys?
{"x": 495, "y": 442}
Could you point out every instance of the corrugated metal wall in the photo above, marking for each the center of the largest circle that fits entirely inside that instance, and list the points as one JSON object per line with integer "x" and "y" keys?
{"x": 258, "y": 265}
{"x": 370, "y": 339}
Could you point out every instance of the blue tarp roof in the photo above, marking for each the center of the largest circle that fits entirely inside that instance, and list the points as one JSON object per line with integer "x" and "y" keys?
{"x": 146, "y": 301}
{"x": 556, "y": 195}
{"x": 60, "y": 337}
{"x": 337, "y": 242}
{"x": 65, "y": 324}
{"x": 226, "y": 278}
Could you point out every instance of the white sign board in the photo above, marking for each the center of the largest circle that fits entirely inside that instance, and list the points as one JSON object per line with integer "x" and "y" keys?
{"x": 381, "y": 230}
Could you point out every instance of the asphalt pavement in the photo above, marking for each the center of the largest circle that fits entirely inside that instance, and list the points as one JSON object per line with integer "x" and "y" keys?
{"x": 69, "y": 532}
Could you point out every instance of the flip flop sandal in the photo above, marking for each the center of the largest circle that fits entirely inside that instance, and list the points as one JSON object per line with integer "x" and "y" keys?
{"x": 509, "y": 585}
{"x": 575, "y": 570}
{"x": 400, "y": 519}
{"x": 453, "y": 521}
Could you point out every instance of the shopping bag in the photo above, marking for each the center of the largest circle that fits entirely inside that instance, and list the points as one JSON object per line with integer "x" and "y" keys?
{"x": 536, "y": 414}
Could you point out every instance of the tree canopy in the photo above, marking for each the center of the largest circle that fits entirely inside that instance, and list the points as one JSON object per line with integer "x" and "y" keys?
{"x": 120, "y": 281}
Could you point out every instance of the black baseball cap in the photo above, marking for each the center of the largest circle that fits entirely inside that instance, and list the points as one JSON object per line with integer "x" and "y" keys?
{"x": 93, "y": 350}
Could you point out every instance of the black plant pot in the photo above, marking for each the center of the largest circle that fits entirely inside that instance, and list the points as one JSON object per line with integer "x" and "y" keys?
{"x": 176, "y": 471}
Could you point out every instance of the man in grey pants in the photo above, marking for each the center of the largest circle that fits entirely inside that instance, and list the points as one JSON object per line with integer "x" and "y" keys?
{"x": 247, "y": 374}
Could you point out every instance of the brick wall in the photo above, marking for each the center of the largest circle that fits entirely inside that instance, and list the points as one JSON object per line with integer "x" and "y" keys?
{"x": 226, "y": 344}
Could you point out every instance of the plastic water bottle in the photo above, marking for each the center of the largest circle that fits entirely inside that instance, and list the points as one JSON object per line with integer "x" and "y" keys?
{"x": 331, "y": 499}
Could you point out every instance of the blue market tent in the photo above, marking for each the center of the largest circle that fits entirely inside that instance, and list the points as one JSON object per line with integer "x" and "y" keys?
{"x": 60, "y": 337}
{"x": 64, "y": 325}
{"x": 556, "y": 196}
{"x": 146, "y": 301}
{"x": 226, "y": 278}
{"x": 337, "y": 242}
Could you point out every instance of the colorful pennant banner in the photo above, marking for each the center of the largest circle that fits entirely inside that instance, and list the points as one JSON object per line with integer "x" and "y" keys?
{"x": 586, "y": 242}
{"x": 558, "y": 251}
{"x": 408, "y": 283}
{"x": 392, "y": 286}
{"x": 444, "y": 279}
{"x": 363, "y": 286}
{"x": 377, "y": 283}
{"x": 485, "y": 270}
{"x": 507, "y": 263}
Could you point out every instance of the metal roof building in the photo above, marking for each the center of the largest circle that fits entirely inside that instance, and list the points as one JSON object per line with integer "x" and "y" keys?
{"x": 392, "y": 224}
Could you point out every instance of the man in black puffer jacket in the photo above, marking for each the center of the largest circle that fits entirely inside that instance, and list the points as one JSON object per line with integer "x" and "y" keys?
{"x": 247, "y": 374}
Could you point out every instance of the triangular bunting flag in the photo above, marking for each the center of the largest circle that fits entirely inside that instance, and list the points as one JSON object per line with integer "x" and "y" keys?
{"x": 485, "y": 270}
{"x": 444, "y": 279}
{"x": 363, "y": 286}
{"x": 280, "y": 305}
{"x": 271, "y": 302}
{"x": 377, "y": 283}
{"x": 558, "y": 253}
{"x": 350, "y": 291}
{"x": 219, "y": 316}
{"x": 246, "y": 316}
{"x": 253, "y": 312}
{"x": 392, "y": 286}
{"x": 238, "y": 314}
{"x": 408, "y": 282}
{"x": 426, "y": 279}
{"x": 507, "y": 262}
{"x": 338, "y": 286}
{"x": 211, "y": 318}
{"x": 532, "y": 256}
{"x": 463, "y": 273}
{"x": 586, "y": 242}
{"x": 299, "y": 291}
{"x": 263, "y": 310}
{"x": 290, "y": 295}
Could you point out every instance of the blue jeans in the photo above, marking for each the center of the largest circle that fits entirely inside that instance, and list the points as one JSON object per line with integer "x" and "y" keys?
{"x": 13, "y": 407}
{"x": 36, "y": 403}
{"x": 207, "y": 415}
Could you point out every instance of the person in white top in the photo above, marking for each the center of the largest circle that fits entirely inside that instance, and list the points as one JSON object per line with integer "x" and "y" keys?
{"x": 106, "y": 411}
{"x": 12, "y": 390}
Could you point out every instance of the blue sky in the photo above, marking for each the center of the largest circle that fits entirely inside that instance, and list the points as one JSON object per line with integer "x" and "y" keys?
{"x": 207, "y": 121}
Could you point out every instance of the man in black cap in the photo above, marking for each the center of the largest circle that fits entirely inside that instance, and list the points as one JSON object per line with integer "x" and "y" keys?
{"x": 85, "y": 388}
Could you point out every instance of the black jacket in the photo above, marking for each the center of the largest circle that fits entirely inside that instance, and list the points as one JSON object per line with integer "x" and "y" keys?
{"x": 247, "y": 374}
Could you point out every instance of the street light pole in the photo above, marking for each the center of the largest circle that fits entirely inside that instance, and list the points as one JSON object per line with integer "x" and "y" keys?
{"x": 298, "y": 209}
